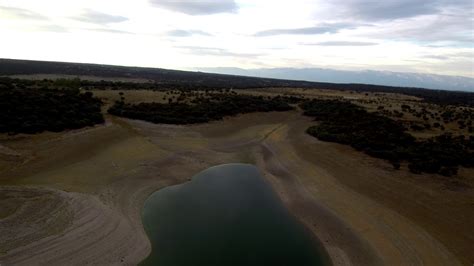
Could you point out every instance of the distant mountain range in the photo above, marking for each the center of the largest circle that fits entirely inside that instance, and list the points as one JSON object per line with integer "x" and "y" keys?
{"x": 387, "y": 78}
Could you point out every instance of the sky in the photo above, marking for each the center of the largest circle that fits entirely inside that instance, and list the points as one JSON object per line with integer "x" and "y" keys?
{"x": 432, "y": 36}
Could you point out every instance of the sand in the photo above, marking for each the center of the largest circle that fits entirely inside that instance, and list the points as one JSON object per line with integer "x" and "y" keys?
{"x": 75, "y": 198}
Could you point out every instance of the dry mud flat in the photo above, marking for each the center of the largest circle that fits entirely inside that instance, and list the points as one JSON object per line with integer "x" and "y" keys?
{"x": 60, "y": 228}
{"x": 75, "y": 198}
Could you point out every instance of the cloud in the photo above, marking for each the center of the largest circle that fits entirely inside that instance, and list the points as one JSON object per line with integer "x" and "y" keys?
{"x": 389, "y": 9}
{"x": 451, "y": 56}
{"x": 95, "y": 17}
{"x": 469, "y": 55}
{"x": 374, "y": 10}
{"x": 436, "y": 30}
{"x": 21, "y": 13}
{"x": 436, "y": 57}
{"x": 51, "y": 28}
{"x": 320, "y": 29}
{"x": 187, "y": 33}
{"x": 198, "y": 50}
{"x": 341, "y": 43}
{"x": 106, "y": 30}
{"x": 197, "y": 7}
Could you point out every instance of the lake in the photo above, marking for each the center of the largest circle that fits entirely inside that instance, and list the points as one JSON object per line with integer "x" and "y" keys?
{"x": 226, "y": 215}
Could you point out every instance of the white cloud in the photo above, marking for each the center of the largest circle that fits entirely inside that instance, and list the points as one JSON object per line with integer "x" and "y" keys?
{"x": 92, "y": 16}
{"x": 388, "y": 35}
{"x": 200, "y": 7}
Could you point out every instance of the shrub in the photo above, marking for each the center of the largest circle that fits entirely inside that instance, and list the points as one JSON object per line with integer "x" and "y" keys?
{"x": 202, "y": 110}
{"x": 36, "y": 110}
{"x": 384, "y": 138}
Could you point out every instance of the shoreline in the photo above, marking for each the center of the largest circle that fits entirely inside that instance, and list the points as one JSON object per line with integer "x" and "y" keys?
{"x": 115, "y": 168}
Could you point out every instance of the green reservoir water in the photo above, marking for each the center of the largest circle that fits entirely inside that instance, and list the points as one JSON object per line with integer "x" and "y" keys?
{"x": 227, "y": 215}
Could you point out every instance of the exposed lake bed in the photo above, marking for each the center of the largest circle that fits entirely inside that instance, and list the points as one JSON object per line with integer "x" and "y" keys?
{"x": 226, "y": 215}
{"x": 108, "y": 172}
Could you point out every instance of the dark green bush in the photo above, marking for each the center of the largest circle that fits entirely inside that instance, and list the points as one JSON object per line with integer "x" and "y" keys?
{"x": 36, "y": 110}
{"x": 201, "y": 110}
{"x": 384, "y": 138}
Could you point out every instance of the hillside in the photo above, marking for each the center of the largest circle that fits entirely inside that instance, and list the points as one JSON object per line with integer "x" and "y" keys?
{"x": 198, "y": 80}
{"x": 377, "y": 77}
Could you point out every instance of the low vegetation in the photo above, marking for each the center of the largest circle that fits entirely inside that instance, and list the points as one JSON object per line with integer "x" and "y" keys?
{"x": 185, "y": 80}
{"x": 382, "y": 137}
{"x": 28, "y": 110}
{"x": 32, "y": 106}
{"x": 199, "y": 110}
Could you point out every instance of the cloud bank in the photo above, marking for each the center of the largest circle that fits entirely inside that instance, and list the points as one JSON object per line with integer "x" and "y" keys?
{"x": 375, "y": 10}
{"x": 200, "y": 7}
{"x": 320, "y": 29}
{"x": 21, "y": 13}
{"x": 187, "y": 33}
{"x": 92, "y": 16}
{"x": 341, "y": 43}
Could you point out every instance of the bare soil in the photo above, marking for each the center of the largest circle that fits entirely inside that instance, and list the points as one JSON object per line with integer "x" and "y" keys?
{"x": 75, "y": 198}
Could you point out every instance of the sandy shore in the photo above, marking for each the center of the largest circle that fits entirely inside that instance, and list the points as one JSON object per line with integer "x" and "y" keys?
{"x": 76, "y": 198}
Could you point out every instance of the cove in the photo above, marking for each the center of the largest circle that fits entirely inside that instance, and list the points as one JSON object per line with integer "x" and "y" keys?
{"x": 226, "y": 215}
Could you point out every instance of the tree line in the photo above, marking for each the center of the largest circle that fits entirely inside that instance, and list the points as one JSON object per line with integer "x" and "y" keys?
{"x": 34, "y": 110}
{"x": 200, "y": 110}
{"x": 382, "y": 137}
